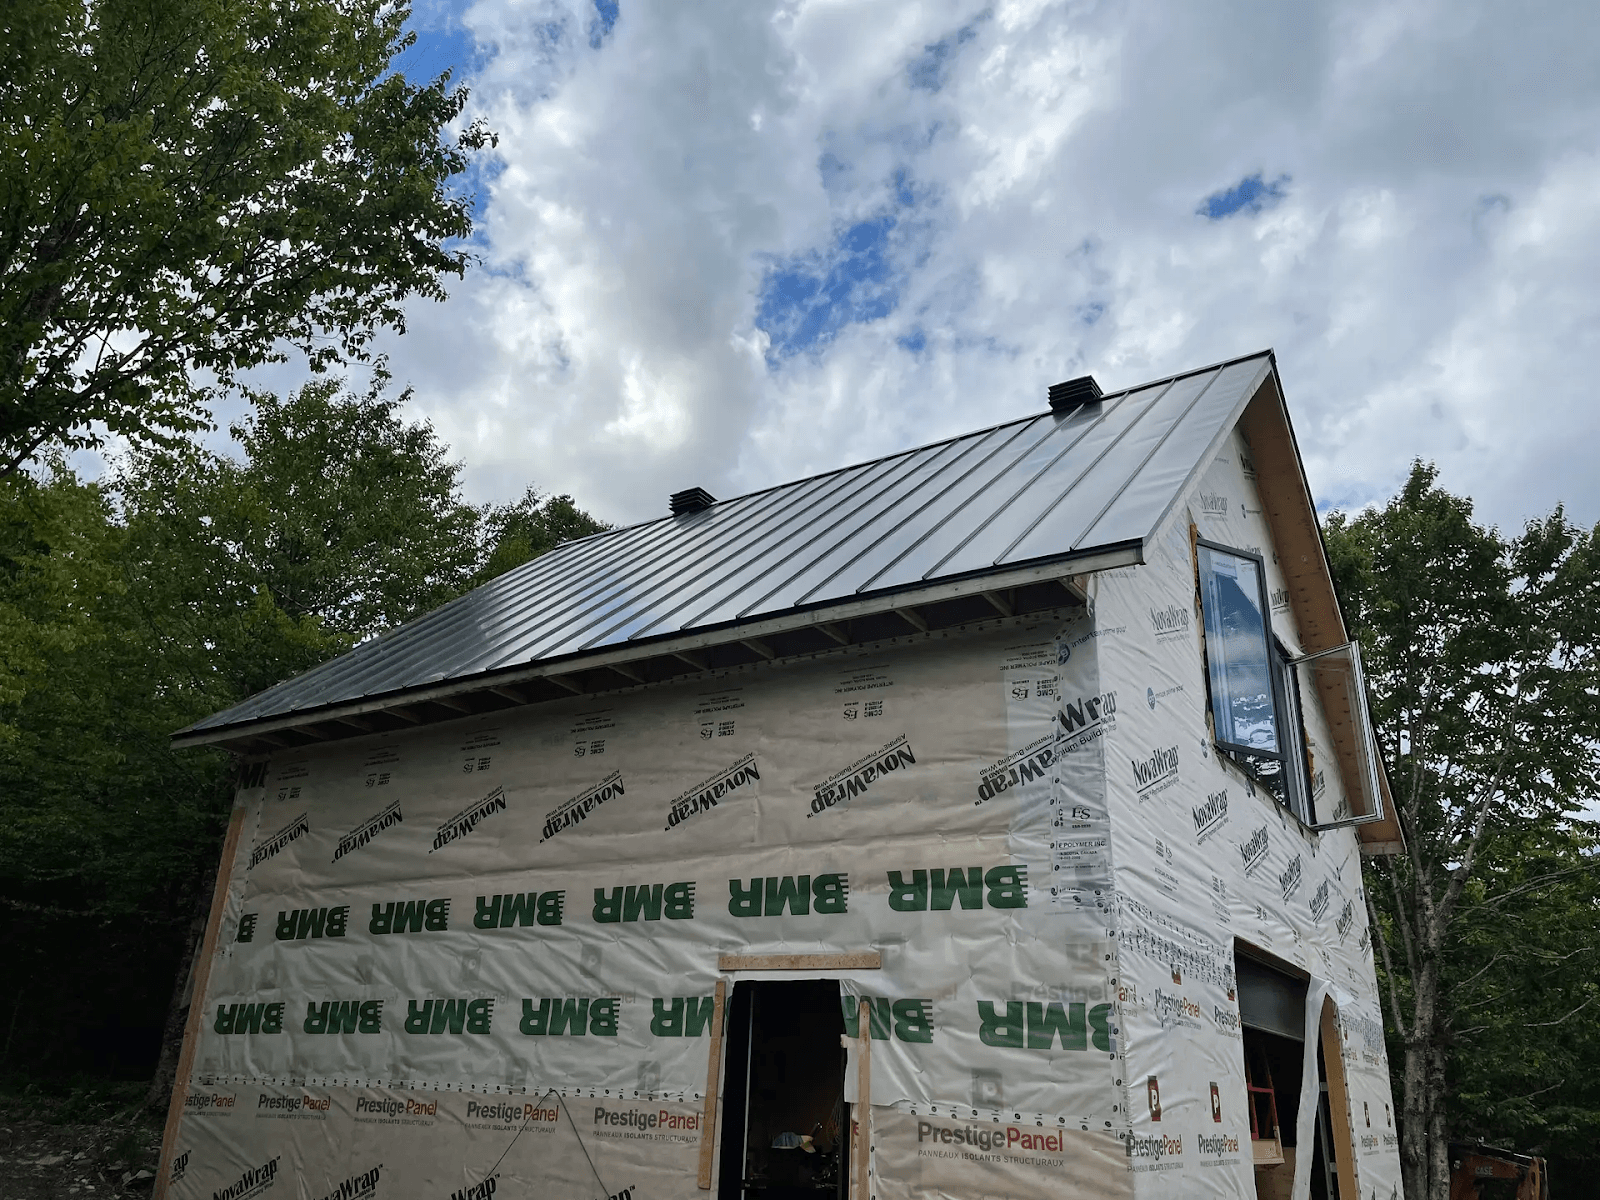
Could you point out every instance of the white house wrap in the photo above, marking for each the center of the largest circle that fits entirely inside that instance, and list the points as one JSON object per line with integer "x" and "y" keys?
{"x": 475, "y": 949}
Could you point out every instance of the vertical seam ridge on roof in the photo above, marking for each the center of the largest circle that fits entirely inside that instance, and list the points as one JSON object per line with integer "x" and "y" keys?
{"x": 1094, "y": 462}
{"x": 962, "y": 504}
{"x": 792, "y": 525}
{"x": 886, "y": 482}
{"x": 976, "y": 442}
{"x": 1145, "y": 461}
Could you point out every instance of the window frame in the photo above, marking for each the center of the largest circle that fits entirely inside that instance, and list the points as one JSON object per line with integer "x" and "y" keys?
{"x": 1288, "y": 704}
{"x": 1288, "y": 727}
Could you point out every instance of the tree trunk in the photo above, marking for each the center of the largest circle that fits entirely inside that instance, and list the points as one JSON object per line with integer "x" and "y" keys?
{"x": 1424, "y": 1148}
{"x": 160, "y": 1093}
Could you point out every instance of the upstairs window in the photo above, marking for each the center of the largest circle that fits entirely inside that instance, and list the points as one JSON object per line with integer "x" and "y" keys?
{"x": 1256, "y": 688}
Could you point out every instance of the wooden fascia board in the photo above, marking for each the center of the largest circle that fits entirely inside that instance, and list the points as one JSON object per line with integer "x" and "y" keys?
{"x": 1303, "y": 559}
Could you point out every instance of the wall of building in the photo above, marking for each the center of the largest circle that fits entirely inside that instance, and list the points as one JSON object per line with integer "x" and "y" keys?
{"x": 1203, "y": 857}
{"x": 488, "y": 948}
{"x": 485, "y": 951}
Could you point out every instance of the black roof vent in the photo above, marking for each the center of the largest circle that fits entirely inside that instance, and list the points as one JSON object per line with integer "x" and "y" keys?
{"x": 692, "y": 501}
{"x": 1072, "y": 395}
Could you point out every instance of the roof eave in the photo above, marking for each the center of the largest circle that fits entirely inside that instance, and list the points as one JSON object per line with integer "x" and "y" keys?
{"x": 903, "y": 601}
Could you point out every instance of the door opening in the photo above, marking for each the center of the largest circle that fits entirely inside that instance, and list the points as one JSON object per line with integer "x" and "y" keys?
{"x": 785, "y": 1126}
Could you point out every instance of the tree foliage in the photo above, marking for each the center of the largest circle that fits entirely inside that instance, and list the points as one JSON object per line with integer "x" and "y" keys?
{"x": 1484, "y": 660}
{"x": 193, "y": 185}
{"x": 133, "y": 607}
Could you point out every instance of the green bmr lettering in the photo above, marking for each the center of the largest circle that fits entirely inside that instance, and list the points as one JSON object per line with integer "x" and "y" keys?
{"x": 770, "y": 895}
{"x": 344, "y": 1016}
{"x": 681, "y": 1016}
{"x": 573, "y": 1017}
{"x": 1003, "y": 887}
{"x": 519, "y": 908}
{"x": 645, "y": 902}
{"x": 449, "y": 1016}
{"x": 410, "y": 916}
{"x": 1041, "y": 1026}
{"x": 249, "y": 1018}
{"x": 911, "y": 1019}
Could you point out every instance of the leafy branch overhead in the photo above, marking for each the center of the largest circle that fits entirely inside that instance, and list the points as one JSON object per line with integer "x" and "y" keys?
{"x": 198, "y": 186}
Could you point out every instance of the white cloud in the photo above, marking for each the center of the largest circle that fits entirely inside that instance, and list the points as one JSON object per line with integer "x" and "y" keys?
{"x": 946, "y": 207}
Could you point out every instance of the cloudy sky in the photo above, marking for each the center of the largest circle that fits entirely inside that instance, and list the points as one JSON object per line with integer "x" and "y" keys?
{"x": 730, "y": 243}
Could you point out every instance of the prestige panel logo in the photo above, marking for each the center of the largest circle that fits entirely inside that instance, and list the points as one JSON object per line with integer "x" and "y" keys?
{"x": 1155, "y": 1146}
{"x": 1008, "y": 1140}
{"x": 383, "y": 1106}
{"x": 1216, "y": 1144}
{"x": 359, "y": 1186}
{"x": 1156, "y": 773}
{"x": 198, "y": 1102}
{"x": 279, "y": 841}
{"x": 293, "y": 1104}
{"x": 465, "y": 821}
{"x": 1211, "y": 816}
{"x": 367, "y": 830}
{"x": 633, "y": 1118}
{"x": 252, "y": 1183}
{"x": 1254, "y": 850}
{"x": 577, "y": 810}
{"x": 705, "y": 796}
{"x": 509, "y": 1113}
{"x": 859, "y": 776}
{"x": 1030, "y": 763}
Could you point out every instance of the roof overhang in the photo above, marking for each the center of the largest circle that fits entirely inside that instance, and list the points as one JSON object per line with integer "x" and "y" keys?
{"x": 975, "y": 600}
{"x": 1303, "y": 558}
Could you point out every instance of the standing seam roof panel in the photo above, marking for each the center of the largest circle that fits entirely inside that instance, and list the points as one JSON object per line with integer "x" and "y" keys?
{"x": 1038, "y": 488}
{"x": 797, "y": 525}
{"x": 1103, "y": 480}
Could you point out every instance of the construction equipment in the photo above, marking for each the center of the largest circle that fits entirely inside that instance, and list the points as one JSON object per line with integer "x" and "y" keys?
{"x": 1479, "y": 1172}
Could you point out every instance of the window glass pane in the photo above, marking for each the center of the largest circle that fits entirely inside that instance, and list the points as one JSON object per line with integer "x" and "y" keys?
{"x": 1237, "y": 653}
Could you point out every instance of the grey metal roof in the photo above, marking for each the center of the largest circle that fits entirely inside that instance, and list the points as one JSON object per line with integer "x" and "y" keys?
{"x": 1042, "y": 491}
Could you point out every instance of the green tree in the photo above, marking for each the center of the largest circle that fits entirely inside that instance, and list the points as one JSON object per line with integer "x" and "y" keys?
{"x": 133, "y": 608}
{"x": 190, "y": 186}
{"x": 521, "y": 531}
{"x": 1484, "y": 662}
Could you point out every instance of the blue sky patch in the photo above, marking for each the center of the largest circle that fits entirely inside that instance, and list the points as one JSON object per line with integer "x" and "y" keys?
{"x": 1250, "y": 195}
{"x": 605, "y": 18}
{"x": 929, "y": 70}
{"x": 807, "y": 299}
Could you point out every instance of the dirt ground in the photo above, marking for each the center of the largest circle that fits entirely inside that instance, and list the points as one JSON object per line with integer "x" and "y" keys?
{"x": 43, "y": 1157}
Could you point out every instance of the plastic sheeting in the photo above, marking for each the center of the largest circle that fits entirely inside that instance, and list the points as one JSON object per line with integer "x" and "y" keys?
{"x": 486, "y": 951}
{"x": 1202, "y": 857}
